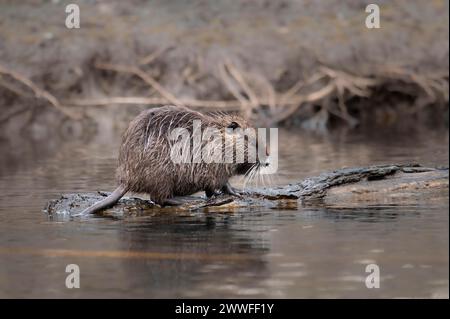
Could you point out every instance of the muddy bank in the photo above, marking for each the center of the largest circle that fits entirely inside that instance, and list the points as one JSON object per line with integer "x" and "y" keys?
{"x": 294, "y": 63}
{"x": 301, "y": 62}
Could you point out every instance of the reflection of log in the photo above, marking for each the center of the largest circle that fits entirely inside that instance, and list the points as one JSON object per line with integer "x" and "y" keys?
{"x": 349, "y": 187}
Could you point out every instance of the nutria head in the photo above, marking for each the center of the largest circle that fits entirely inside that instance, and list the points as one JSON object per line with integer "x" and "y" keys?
{"x": 243, "y": 142}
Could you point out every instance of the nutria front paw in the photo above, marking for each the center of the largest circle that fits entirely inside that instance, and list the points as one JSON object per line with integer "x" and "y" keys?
{"x": 230, "y": 190}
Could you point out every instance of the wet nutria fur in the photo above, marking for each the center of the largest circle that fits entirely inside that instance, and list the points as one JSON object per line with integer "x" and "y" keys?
{"x": 146, "y": 166}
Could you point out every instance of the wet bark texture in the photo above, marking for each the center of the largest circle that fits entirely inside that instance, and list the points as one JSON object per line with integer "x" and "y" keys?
{"x": 380, "y": 185}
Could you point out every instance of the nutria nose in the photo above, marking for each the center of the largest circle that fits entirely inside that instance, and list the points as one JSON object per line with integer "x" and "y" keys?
{"x": 265, "y": 162}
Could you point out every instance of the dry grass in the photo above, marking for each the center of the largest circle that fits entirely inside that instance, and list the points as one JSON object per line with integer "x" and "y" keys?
{"x": 38, "y": 92}
{"x": 254, "y": 96}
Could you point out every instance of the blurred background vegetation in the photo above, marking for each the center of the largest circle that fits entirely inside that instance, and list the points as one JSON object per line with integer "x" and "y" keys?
{"x": 294, "y": 63}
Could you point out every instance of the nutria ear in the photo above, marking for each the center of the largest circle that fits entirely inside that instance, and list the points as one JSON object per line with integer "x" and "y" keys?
{"x": 233, "y": 125}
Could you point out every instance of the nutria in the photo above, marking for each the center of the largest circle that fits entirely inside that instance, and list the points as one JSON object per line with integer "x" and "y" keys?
{"x": 146, "y": 166}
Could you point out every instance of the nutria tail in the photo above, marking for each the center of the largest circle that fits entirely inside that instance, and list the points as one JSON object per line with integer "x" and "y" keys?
{"x": 107, "y": 202}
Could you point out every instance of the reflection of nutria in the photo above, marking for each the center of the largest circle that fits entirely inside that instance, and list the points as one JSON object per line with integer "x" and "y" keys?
{"x": 146, "y": 162}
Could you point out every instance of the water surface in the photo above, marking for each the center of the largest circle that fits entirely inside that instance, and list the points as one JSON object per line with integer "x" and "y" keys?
{"x": 290, "y": 253}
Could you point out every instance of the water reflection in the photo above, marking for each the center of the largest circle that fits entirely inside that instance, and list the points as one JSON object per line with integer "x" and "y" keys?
{"x": 287, "y": 251}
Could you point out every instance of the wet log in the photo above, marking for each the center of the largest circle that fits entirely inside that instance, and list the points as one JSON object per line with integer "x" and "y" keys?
{"x": 378, "y": 185}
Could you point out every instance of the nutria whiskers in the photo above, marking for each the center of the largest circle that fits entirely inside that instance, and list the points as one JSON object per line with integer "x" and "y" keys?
{"x": 146, "y": 165}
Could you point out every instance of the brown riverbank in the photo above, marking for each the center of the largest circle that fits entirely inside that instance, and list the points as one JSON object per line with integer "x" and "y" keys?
{"x": 300, "y": 63}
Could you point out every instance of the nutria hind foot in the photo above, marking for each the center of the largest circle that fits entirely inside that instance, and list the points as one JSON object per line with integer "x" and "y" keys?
{"x": 227, "y": 189}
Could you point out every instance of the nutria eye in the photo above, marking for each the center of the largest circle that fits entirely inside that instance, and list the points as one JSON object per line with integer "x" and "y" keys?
{"x": 233, "y": 125}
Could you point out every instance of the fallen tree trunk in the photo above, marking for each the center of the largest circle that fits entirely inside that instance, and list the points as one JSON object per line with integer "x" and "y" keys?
{"x": 379, "y": 185}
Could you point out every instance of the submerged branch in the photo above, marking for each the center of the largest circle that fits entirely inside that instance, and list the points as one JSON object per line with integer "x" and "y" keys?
{"x": 379, "y": 185}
